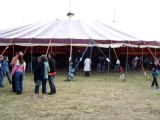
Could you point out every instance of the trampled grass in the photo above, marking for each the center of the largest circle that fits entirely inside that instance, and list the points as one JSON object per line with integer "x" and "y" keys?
{"x": 98, "y": 97}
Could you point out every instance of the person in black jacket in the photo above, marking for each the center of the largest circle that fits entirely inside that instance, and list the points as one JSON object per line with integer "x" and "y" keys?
{"x": 52, "y": 65}
{"x": 155, "y": 73}
{"x": 38, "y": 75}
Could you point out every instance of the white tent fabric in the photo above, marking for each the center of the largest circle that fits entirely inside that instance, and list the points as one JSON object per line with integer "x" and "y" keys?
{"x": 62, "y": 30}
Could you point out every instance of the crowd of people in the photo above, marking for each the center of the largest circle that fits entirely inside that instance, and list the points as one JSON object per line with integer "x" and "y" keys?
{"x": 45, "y": 70}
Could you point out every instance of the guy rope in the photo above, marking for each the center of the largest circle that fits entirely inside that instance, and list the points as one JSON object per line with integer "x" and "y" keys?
{"x": 49, "y": 44}
{"x": 27, "y": 47}
{"x": 121, "y": 69}
{"x": 7, "y": 47}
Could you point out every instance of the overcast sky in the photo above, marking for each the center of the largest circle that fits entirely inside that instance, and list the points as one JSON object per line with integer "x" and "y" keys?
{"x": 137, "y": 17}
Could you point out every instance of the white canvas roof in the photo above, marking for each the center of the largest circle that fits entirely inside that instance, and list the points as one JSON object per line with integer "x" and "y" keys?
{"x": 62, "y": 32}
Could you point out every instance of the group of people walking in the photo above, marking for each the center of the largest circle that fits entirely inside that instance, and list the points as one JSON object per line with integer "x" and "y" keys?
{"x": 45, "y": 70}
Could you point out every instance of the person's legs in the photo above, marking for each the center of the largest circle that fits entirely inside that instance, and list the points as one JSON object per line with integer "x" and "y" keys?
{"x": 152, "y": 85}
{"x": 103, "y": 68}
{"x": 51, "y": 84}
{"x": 13, "y": 84}
{"x": 17, "y": 81}
{"x": 9, "y": 78}
{"x": 36, "y": 90}
{"x": 157, "y": 86}
{"x": 99, "y": 67}
{"x": 87, "y": 73}
{"x": 44, "y": 86}
{"x": 1, "y": 79}
{"x": 21, "y": 82}
{"x": 154, "y": 80}
{"x": 38, "y": 83}
{"x": 117, "y": 68}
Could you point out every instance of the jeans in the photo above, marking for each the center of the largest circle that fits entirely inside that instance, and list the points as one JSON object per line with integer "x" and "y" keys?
{"x": 133, "y": 67}
{"x": 86, "y": 73}
{"x": 99, "y": 67}
{"x": 8, "y": 76}
{"x": 116, "y": 68}
{"x": 51, "y": 84}
{"x": 155, "y": 75}
{"x": 13, "y": 84}
{"x": 103, "y": 68}
{"x": 1, "y": 77}
{"x": 19, "y": 81}
{"x": 38, "y": 84}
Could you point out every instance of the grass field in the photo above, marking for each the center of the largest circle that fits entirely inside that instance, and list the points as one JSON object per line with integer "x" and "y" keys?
{"x": 98, "y": 97}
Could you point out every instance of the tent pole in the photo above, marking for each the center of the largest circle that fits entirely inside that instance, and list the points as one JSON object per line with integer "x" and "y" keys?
{"x": 127, "y": 60}
{"x": 155, "y": 52}
{"x": 51, "y": 48}
{"x": 13, "y": 51}
{"x": 71, "y": 47}
{"x": 31, "y": 58}
{"x": 91, "y": 52}
{"x": 142, "y": 59}
{"x": 109, "y": 56}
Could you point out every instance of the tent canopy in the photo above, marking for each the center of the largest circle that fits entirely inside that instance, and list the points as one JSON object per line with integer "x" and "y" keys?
{"x": 65, "y": 32}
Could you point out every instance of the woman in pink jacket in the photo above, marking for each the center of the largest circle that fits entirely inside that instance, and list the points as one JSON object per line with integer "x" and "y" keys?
{"x": 18, "y": 71}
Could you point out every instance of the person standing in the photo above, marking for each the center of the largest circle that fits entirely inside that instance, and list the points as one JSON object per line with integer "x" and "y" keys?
{"x": 87, "y": 66}
{"x": 103, "y": 63}
{"x": 99, "y": 65}
{"x": 134, "y": 64}
{"x": 1, "y": 71}
{"x": 46, "y": 72}
{"x": 38, "y": 76}
{"x": 19, "y": 70}
{"x": 52, "y": 65}
{"x": 6, "y": 69}
{"x": 13, "y": 62}
{"x": 155, "y": 73}
{"x": 117, "y": 66}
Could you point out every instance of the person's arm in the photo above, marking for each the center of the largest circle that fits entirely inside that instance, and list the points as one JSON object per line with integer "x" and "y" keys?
{"x": 24, "y": 67}
{"x": 5, "y": 66}
{"x": 14, "y": 69}
{"x": 48, "y": 68}
{"x": 14, "y": 59}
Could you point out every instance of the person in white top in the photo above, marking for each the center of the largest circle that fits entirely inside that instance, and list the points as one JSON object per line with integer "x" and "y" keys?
{"x": 87, "y": 66}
